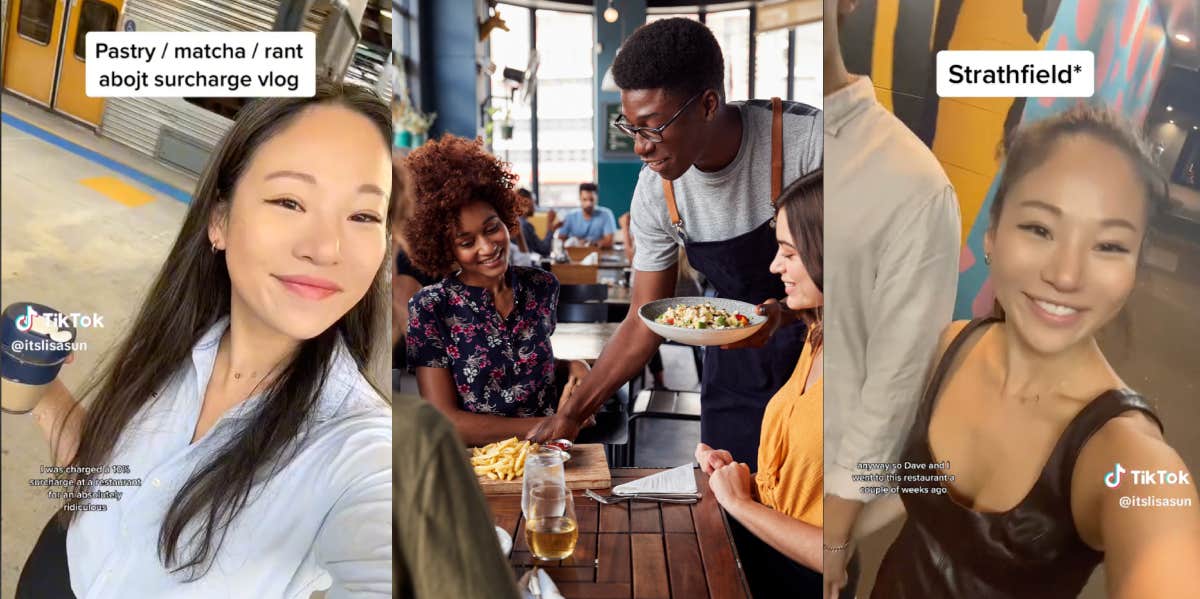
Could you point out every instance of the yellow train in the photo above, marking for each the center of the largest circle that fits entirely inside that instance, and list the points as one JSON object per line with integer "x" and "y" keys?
{"x": 44, "y": 52}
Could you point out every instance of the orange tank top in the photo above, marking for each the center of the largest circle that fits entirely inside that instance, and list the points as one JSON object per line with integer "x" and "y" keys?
{"x": 790, "y": 475}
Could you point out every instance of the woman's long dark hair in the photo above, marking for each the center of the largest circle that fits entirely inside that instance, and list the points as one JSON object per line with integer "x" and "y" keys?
{"x": 192, "y": 293}
{"x": 803, "y": 204}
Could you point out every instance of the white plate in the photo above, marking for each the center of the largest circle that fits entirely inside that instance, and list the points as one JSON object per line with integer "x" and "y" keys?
{"x": 654, "y": 309}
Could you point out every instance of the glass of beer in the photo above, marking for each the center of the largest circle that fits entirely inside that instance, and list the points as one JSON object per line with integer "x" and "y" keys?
{"x": 551, "y": 529}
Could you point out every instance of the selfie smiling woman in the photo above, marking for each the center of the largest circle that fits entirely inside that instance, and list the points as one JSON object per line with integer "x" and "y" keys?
{"x": 1024, "y": 411}
{"x": 237, "y": 395}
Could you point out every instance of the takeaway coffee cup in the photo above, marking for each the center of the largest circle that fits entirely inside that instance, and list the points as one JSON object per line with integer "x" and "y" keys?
{"x": 36, "y": 342}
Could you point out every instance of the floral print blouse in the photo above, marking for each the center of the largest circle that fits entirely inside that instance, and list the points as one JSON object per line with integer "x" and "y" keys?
{"x": 501, "y": 366}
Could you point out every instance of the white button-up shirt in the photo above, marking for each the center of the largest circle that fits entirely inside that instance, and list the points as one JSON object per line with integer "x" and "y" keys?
{"x": 892, "y": 231}
{"x": 324, "y": 519}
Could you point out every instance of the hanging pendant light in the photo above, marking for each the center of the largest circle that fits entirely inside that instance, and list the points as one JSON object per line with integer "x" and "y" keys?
{"x": 610, "y": 14}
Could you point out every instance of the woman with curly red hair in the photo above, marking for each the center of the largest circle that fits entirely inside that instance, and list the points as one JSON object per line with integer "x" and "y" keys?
{"x": 479, "y": 339}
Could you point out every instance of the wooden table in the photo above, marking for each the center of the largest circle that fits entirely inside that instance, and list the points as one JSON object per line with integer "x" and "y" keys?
{"x": 581, "y": 341}
{"x": 609, "y": 258}
{"x": 614, "y": 260}
{"x": 637, "y": 550}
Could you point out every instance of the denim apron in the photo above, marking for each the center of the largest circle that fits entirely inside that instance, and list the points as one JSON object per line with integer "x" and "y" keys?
{"x": 737, "y": 384}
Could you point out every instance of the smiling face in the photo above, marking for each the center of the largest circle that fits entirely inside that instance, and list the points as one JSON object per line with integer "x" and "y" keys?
{"x": 683, "y": 141}
{"x": 480, "y": 244}
{"x": 304, "y": 232}
{"x": 1065, "y": 247}
{"x": 802, "y": 292}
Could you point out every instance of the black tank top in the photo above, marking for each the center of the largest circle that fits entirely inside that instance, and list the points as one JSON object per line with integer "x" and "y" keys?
{"x": 1031, "y": 551}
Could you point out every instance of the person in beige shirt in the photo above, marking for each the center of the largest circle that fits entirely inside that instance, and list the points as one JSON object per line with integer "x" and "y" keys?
{"x": 893, "y": 225}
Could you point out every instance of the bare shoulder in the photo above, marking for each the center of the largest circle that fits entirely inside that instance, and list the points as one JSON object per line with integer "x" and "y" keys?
{"x": 1132, "y": 439}
{"x": 1132, "y": 431}
{"x": 1134, "y": 499}
{"x": 1127, "y": 475}
{"x": 948, "y": 334}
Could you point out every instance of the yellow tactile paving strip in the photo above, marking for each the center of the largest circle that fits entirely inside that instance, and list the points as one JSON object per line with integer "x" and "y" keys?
{"x": 118, "y": 190}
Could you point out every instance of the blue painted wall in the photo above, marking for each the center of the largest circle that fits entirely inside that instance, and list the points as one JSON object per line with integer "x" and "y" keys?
{"x": 616, "y": 177}
{"x": 449, "y": 42}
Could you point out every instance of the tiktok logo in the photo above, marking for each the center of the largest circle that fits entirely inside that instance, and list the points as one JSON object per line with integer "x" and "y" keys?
{"x": 24, "y": 323}
{"x": 1113, "y": 479}
{"x": 57, "y": 321}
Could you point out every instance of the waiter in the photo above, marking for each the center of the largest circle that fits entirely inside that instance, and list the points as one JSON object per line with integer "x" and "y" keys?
{"x": 712, "y": 171}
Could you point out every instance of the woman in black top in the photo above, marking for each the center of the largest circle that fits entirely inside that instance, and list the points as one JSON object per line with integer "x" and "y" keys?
{"x": 1035, "y": 435}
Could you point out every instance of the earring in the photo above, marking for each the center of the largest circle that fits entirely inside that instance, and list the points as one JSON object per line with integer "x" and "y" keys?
{"x": 214, "y": 247}
{"x": 987, "y": 259}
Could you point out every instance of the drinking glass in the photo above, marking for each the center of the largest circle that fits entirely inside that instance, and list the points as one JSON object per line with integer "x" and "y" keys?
{"x": 551, "y": 529}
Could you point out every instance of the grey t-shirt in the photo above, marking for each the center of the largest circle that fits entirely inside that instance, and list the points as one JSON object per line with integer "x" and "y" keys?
{"x": 732, "y": 201}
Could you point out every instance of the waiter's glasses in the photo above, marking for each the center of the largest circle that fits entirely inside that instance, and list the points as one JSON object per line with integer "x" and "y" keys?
{"x": 651, "y": 134}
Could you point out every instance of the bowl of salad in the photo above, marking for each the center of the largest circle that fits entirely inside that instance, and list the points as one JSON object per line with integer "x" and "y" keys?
{"x": 701, "y": 320}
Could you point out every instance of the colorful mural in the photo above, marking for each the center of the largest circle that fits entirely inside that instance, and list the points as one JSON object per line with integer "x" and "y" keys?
{"x": 1130, "y": 46}
{"x": 895, "y": 43}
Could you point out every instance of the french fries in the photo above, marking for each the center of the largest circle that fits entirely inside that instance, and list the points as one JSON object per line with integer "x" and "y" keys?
{"x": 502, "y": 460}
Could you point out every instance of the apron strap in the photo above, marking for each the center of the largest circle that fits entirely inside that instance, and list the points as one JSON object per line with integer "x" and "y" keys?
{"x": 776, "y": 168}
{"x": 672, "y": 209}
{"x": 776, "y": 148}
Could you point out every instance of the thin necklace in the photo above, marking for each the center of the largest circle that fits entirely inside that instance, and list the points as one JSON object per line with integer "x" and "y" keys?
{"x": 238, "y": 375}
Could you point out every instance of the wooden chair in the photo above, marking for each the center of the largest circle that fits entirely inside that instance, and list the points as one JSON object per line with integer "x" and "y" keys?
{"x": 575, "y": 294}
{"x": 576, "y": 274}
{"x": 662, "y": 404}
{"x": 612, "y": 422}
{"x": 585, "y": 312}
{"x": 539, "y": 220}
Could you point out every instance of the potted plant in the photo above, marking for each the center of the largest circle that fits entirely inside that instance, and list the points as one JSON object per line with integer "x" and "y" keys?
{"x": 412, "y": 126}
{"x": 402, "y": 136}
{"x": 506, "y": 125}
{"x": 489, "y": 125}
{"x": 420, "y": 126}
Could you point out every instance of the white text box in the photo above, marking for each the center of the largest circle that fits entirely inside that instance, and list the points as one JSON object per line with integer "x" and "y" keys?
{"x": 166, "y": 64}
{"x": 1016, "y": 74}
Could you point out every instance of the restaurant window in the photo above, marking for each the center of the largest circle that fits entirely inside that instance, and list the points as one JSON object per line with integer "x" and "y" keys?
{"x": 732, "y": 30}
{"x": 510, "y": 116}
{"x": 406, "y": 50}
{"x": 772, "y": 51}
{"x": 771, "y": 64}
{"x": 658, "y": 17}
{"x": 564, "y": 141}
{"x": 93, "y": 16}
{"x": 566, "y": 138}
{"x": 36, "y": 20}
{"x": 807, "y": 68}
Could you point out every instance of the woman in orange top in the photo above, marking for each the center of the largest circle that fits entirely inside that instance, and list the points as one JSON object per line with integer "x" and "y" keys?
{"x": 778, "y": 509}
